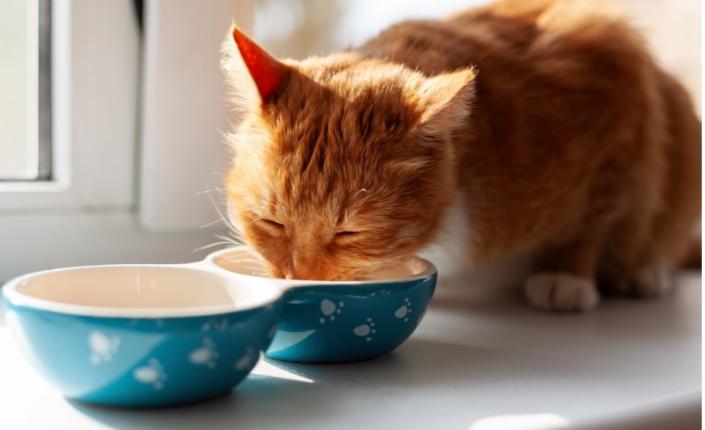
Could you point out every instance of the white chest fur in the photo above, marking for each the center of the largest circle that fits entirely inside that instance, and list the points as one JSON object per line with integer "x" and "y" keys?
{"x": 452, "y": 248}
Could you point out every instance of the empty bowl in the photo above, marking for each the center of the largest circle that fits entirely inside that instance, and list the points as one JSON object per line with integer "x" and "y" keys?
{"x": 141, "y": 335}
{"x": 341, "y": 321}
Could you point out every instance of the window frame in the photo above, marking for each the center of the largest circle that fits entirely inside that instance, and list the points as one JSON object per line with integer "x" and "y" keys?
{"x": 44, "y": 117}
{"x": 182, "y": 189}
{"x": 90, "y": 210}
{"x": 76, "y": 180}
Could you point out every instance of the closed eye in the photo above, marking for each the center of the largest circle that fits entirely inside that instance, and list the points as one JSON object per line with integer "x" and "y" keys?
{"x": 346, "y": 233}
{"x": 346, "y": 237}
{"x": 272, "y": 224}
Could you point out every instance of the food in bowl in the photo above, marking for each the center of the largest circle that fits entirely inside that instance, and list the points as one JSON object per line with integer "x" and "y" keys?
{"x": 341, "y": 321}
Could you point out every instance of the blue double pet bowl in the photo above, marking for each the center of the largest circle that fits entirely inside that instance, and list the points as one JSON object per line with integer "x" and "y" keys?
{"x": 158, "y": 335}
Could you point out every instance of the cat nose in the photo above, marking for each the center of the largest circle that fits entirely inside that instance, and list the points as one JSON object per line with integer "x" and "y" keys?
{"x": 304, "y": 266}
{"x": 302, "y": 272}
{"x": 285, "y": 271}
{"x": 298, "y": 267}
{"x": 288, "y": 272}
{"x": 309, "y": 273}
{"x": 297, "y": 274}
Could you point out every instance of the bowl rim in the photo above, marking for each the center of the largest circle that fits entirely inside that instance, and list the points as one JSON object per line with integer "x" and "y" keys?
{"x": 17, "y": 298}
{"x": 277, "y": 288}
{"x": 429, "y": 270}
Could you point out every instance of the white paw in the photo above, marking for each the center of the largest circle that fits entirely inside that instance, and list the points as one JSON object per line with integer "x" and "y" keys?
{"x": 654, "y": 282}
{"x": 561, "y": 292}
{"x": 649, "y": 282}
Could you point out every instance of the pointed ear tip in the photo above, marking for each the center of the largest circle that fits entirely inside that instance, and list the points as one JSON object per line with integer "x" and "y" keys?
{"x": 468, "y": 75}
{"x": 239, "y": 36}
{"x": 463, "y": 76}
{"x": 236, "y": 32}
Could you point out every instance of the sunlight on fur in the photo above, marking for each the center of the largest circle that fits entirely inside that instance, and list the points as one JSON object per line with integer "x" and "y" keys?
{"x": 565, "y": 139}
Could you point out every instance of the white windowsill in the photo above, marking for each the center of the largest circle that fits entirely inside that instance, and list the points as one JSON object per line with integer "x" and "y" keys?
{"x": 472, "y": 364}
{"x": 33, "y": 187}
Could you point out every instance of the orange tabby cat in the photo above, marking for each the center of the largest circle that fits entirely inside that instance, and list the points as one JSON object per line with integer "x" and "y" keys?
{"x": 545, "y": 124}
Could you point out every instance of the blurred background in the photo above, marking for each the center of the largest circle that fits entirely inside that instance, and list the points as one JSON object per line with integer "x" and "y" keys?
{"x": 112, "y": 112}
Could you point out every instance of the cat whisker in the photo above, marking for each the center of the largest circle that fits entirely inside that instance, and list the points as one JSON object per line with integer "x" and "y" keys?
{"x": 228, "y": 239}
{"x": 223, "y": 217}
{"x": 224, "y": 240}
{"x": 215, "y": 221}
{"x": 211, "y": 245}
{"x": 200, "y": 193}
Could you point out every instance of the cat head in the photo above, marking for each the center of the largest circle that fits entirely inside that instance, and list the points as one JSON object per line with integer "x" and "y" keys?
{"x": 341, "y": 164}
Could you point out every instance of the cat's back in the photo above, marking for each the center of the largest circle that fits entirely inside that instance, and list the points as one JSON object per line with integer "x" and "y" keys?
{"x": 536, "y": 60}
{"x": 476, "y": 37}
{"x": 567, "y": 94}
{"x": 573, "y": 45}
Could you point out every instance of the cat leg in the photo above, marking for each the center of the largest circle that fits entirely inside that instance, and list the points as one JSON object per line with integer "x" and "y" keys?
{"x": 634, "y": 266}
{"x": 562, "y": 291}
{"x": 564, "y": 281}
{"x": 637, "y": 276}
{"x": 652, "y": 281}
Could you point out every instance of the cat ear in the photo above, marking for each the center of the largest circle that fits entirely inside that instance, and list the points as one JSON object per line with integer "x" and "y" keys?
{"x": 446, "y": 100}
{"x": 254, "y": 74}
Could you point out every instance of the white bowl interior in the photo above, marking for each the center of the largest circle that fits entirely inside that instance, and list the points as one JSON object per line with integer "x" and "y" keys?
{"x": 247, "y": 262}
{"x": 144, "y": 289}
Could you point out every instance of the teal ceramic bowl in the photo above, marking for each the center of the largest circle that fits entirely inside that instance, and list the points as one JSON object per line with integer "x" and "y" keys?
{"x": 339, "y": 322}
{"x": 142, "y": 335}
{"x": 159, "y": 335}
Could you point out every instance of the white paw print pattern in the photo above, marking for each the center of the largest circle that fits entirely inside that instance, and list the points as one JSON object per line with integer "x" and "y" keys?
{"x": 215, "y": 325}
{"x": 152, "y": 374}
{"x": 103, "y": 347}
{"x": 329, "y": 310}
{"x": 157, "y": 322}
{"x": 404, "y": 310}
{"x": 246, "y": 360}
{"x": 205, "y": 355}
{"x": 366, "y": 330}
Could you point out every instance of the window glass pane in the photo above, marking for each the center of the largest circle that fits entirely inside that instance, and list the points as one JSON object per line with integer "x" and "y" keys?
{"x": 298, "y": 28}
{"x": 19, "y": 34}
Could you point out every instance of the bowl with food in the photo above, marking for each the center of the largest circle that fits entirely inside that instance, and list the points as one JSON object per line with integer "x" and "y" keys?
{"x": 340, "y": 321}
